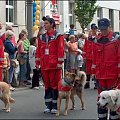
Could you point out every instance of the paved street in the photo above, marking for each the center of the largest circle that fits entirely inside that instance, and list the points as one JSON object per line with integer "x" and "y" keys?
{"x": 30, "y": 105}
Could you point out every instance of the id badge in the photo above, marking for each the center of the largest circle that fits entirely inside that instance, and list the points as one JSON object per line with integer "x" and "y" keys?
{"x": 46, "y": 51}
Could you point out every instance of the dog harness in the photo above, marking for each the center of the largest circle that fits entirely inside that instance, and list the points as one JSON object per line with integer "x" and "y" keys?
{"x": 62, "y": 87}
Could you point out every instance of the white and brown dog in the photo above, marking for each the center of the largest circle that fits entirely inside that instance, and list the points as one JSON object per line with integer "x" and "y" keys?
{"x": 110, "y": 99}
{"x": 5, "y": 96}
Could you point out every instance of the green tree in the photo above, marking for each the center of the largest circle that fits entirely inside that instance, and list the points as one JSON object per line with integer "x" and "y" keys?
{"x": 84, "y": 11}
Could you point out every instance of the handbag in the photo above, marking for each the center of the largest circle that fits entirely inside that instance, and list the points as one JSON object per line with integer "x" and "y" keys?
{"x": 22, "y": 57}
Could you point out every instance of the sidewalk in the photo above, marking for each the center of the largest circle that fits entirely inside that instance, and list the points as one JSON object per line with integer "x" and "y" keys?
{"x": 28, "y": 87}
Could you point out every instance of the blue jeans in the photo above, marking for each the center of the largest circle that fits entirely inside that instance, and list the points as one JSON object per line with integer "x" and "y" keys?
{"x": 22, "y": 72}
{"x": 11, "y": 72}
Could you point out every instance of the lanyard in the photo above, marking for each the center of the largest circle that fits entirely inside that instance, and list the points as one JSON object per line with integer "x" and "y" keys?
{"x": 47, "y": 40}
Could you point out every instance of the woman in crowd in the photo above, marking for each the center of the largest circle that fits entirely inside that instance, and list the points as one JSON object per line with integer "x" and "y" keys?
{"x": 73, "y": 52}
{"x": 11, "y": 50}
{"x": 22, "y": 57}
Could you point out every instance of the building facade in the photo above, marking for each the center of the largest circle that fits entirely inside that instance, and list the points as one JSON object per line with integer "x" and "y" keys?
{"x": 15, "y": 14}
{"x": 108, "y": 9}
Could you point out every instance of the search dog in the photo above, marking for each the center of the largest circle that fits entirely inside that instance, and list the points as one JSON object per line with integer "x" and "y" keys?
{"x": 5, "y": 96}
{"x": 78, "y": 89}
{"x": 69, "y": 87}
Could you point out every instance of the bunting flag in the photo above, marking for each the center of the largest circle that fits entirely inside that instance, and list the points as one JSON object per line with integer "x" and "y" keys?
{"x": 53, "y": 2}
{"x": 56, "y": 17}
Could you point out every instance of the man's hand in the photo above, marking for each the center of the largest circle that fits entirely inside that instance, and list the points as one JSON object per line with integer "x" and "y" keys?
{"x": 59, "y": 66}
{"x": 92, "y": 76}
{"x": 37, "y": 67}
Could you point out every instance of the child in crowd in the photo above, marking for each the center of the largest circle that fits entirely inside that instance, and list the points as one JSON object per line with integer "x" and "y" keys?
{"x": 32, "y": 50}
{"x": 6, "y": 67}
{"x": 73, "y": 52}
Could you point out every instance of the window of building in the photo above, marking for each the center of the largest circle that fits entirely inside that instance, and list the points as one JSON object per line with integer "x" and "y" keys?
{"x": 9, "y": 11}
{"x": 111, "y": 17}
{"x": 119, "y": 20}
{"x": 99, "y": 13}
{"x": 71, "y": 13}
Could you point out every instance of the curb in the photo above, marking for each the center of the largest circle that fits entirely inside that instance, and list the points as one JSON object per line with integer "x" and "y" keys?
{"x": 20, "y": 89}
{"x": 17, "y": 89}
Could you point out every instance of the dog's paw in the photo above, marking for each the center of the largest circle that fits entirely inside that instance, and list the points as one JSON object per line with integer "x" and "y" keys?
{"x": 83, "y": 108}
{"x": 65, "y": 113}
{"x": 7, "y": 110}
{"x": 57, "y": 114}
{"x": 4, "y": 108}
{"x": 73, "y": 108}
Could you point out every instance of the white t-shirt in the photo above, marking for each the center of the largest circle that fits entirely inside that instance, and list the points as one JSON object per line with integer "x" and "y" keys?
{"x": 32, "y": 51}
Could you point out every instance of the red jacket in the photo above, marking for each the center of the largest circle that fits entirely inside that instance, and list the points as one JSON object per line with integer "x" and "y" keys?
{"x": 87, "y": 49}
{"x": 1, "y": 53}
{"x": 50, "y": 55}
{"x": 106, "y": 58}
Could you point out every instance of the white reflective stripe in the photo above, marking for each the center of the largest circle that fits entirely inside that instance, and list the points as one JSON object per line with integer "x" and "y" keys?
{"x": 40, "y": 37}
{"x": 54, "y": 101}
{"x": 59, "y": 65}
{"x": 102, "y": 115}
{"x": 119, "y": 65}
{"x": 114, "y": 117}
{"x": 60, "y": 59}
{"x": 93, "y": 66}
{"x": 48, "y": 100}
{"x": 37, "y": 59}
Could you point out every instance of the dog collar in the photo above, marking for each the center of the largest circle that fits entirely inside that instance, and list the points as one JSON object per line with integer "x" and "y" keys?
{"x": 66, "y": 83}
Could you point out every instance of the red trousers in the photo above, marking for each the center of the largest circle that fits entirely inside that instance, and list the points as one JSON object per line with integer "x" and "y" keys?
{"x": 1, "y": 71}
{"x": 88, "y": 66}
{"x": 106, "y": 83}
{"x": 51, "y": 78}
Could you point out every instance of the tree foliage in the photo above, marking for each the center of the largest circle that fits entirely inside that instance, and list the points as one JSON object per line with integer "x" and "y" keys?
{"x": 84, "y": 11}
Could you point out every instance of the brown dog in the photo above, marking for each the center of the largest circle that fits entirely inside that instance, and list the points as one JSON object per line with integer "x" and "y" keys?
{"x": 78, "y": 89}
{"x": 5, "y": 96}
{"x": 64, "y": 88}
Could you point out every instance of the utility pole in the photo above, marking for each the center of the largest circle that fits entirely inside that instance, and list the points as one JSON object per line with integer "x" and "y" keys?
{"x": 29, "y": 18}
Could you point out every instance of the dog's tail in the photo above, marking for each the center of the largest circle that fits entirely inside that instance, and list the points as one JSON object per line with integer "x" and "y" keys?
{"x": 83, "y": 76}
{"x": 11, "y": 100}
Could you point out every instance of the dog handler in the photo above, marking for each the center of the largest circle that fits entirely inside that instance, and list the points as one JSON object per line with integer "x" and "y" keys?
{"x": 87, "y": 50}
{"x": 106, "y": 64}
{"x": 50, "y": 56}
{"x": 1, "y": 55}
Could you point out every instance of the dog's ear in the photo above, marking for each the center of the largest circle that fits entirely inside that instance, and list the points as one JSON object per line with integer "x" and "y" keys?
{"x": 66, "y": 72}
{"x": 112, "y": 96}
{"x": 73, "y": 74}
{"x": 82, "y": 77}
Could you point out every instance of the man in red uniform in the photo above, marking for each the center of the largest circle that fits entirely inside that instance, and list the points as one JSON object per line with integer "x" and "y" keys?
{"x": 106, "y": 63}
{"x": 50, "y": 56}
{"x": 87, "y": 50}
{"x": 1, "y": 54}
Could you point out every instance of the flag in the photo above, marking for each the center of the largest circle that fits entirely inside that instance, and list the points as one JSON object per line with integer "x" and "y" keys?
{"x": 56, "y": 17}
{"x": 53, "y": 2}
